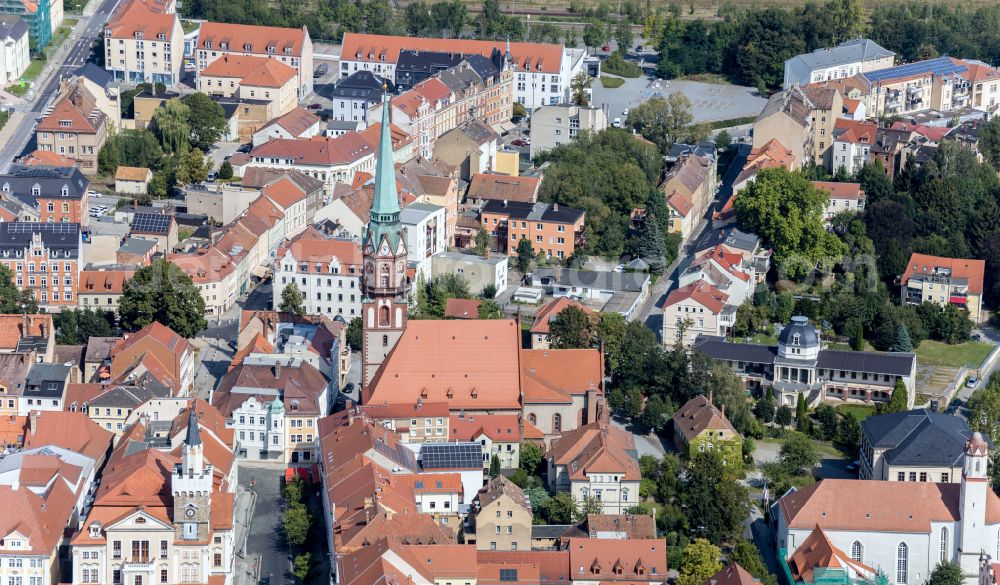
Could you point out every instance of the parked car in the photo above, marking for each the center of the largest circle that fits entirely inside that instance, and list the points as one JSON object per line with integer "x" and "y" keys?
{"x": 245, "y": 148}
{"x": 315, "y": 106}
{"x": 625, "y": 113}
{"x": 606, "y": 48}
{"x": 519, "y": 142}
{"x": 321, "y": 70}
{"x": 617, "y": 123}
{"x": 976, "y": 337}
{"x": 638, "y": 49}
{"x": 972, "y": 382}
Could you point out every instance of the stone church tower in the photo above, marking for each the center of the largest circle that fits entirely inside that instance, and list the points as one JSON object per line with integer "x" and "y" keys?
{"x": 384, "y": 284}
{"x": 191, "y": 484}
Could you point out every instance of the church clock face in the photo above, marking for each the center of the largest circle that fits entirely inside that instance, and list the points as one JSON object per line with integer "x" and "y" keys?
{"x": 189, "y": 512}
{"x": 384, "y": 250}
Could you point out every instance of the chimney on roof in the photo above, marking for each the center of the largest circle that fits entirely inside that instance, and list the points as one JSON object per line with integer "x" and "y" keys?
{"x": 33, "y": 421}
{"x": 277, "y": 369}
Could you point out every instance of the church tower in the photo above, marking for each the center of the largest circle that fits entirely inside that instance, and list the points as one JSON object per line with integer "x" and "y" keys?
{"x": 975, "y": 485}
{"x": 384, "y": 284}
{"x": 191, "y": 484}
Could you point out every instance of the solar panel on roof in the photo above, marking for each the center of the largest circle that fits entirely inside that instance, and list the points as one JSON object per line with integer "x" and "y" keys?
{"x": 452, "y": 456}
{"x": 151, "y": 223}
{"x": 25, "y": 227}
{"x": 939, "y": 66}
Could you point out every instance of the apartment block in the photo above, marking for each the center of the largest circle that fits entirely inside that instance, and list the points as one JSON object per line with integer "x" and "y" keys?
{"x": 76, "y": 127}
{"x": 944, "y": 281}
{"x": 45, "y": 259}
{"x": 290, "y": 46}
{"x": 553, "y": 125}
{"x": 845, "y": 60}
{"x": 144, "y": 44}
{"x": 553, "y": 230}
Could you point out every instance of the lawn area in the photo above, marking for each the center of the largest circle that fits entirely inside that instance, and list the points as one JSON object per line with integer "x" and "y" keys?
{"x": 19, "y": 89}
{"x": 34, "y": 69}
{"x": 760, "y": 339}
{"x": 189, "y": 26}
{"x": 969, "y": 354}
{"x": 612, "y": 82}
{"x": 858, "y": 411}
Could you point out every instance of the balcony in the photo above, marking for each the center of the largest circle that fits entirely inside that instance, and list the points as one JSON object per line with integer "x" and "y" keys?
{"x": 138, "y": 564}
{"x": 580, "y": 238}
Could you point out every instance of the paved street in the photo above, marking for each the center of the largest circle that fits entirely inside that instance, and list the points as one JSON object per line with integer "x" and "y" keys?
{"x": 265, "y": 537}
{"x": 19, "y": 132}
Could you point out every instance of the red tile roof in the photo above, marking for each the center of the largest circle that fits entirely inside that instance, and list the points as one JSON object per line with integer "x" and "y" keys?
{"x": 470, "y": 364}
{"x": 932, "y": 133}
{"x": 14, "y": 327}
{"x": 697, "y": 415}
{"x": 75, "y": 112}
{"x": 877, "y": 506}
{"x": 295, "y": 122}
{"x": 284, "y": 192}
{"x": 283, "y": 41}
{"x": 462, "y": 308}
{"x": 313, "y": 247}
{"x": 140, "y": 18}
{"x": 855, "y": 132}
{"x": 503, "y": 428}
{"x": 46, "y": 158}
{"x": 557, "y": 375}
{"x": 598, "y": 447}
{"x": 251, "y": 70}
{"x": 553, "y": 565}
{"x": 504, "y": 188}
{"x": 318, "y": 150}
{"x": 103, "y": 281}
{"x": 732, "y": 574}
{"x": 924, "y": 265}
{"x": 700, "y": 291}
{"x": 681, "y": 203}
{"x": 545, "y": 315}
{"x": 817, "y": 552}
{"x": 837, "y": 190}
{"x": 533, "y": 57}
{"x": 69, "y": 430}
{"x": 606, "y": 560}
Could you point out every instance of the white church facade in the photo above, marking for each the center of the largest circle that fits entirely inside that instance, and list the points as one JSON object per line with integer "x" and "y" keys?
{"x": 901, "y": 530}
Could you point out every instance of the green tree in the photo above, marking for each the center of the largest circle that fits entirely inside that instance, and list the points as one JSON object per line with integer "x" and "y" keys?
{"x": 828, "y": 422}
{"x": 13, "y": 300}
{"x": 989, "y": 142}
{"x": 723, "y": 140}
{"x": 656, "y": 413}
{"x": 858, "y": 337}
{"x": 525, "y": 254}
{"x": 632, "y": 407}
{"x": 589, "y": 505}
{"x": 984, "y": 407}
{"x": 786, "y": 210}
{"x": 482, "y": 242}
{"x": 225, "y": 170}
{"x": 623, "y": 36}
{"x": 899, "y": 400}
{"x": 716, "y": 503}
{"x": 765, "y": 410}
{"x": 797, "y": 455}
{"x": 572, "y": 328}
{"x": 296, "y": 524}
{"x": 109, "y": 158}
{"x": 207, "y": 121}
{"x": 578, "y": 87}
{"x": 902, "y": 341}
{"x": 162, "y": 292}
{"x": 652, "y": 247}
{"x": 661, "y": 120}
{"x": 611, "y": 332}
{"x": 746, "y": 553}
{"x": 593, "y": 35}
{"x": 560, "y": 509}
{"x": 700, "y": 560}
{"x": 490, "y": 309}
{"x": 494, "y": 465}
{"x": 802, "y": 414}
{"x": 75, "y": 326}
{"x": 354, "y": 334}
{"x": 170, "y": 125}
{"x": 302, "y": 566}
{"x": 530, "y": 456}
{"x": 946, "y": 574}
{"x": 783, "y": 416}
{"x": 292, "y": 300}
{"x": 192, "y": 167}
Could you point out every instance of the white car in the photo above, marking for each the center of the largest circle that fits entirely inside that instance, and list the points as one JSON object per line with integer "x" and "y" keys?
{"x": 617, "y": 123}
{"x": 625, "y": 113}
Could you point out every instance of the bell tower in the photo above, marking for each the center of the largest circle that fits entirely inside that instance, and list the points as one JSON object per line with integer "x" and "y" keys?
{"x": 972, "y": 506}
{"x": 191, "y": 484}
{"x": 384, "y": 284}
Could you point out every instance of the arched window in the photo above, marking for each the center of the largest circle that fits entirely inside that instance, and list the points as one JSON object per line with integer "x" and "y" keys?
{"x": 383, "y": 316}
{"x": 533, "y": 419}
{"x": 556, "y": 423}
{"x": 857, "y": 551}
{"x": 902, "y": 563}
{"x": 944, "y": 544}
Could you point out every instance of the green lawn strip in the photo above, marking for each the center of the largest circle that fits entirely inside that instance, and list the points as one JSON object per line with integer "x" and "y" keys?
{"x": 969, "y": 354}
{"x": 612, "y": 82}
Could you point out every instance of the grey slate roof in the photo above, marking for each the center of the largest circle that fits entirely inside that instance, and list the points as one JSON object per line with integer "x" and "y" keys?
{"x": 94, "y": 73}
{"x": 12, "y": 27}
{"x": 720, "y": 349}
{"x": 851, "y": 51}
{"x": 896, "y": 364}
{"x": 604, "y": 280}
{"x": 918, "y": 437}
{"x": 62, "y": 239}
{"x": 128, "y": 396}
{"x": 46, "y": 380}
{"x": 533, "y": 211}
{"x": 137, "y": 246}
{"x": 64, "y": 182}
{"x": 361, "y": 85}
{"x": 808, "y": 335}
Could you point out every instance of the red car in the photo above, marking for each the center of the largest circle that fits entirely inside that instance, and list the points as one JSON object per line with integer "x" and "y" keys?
{"x": 606, "y": 48}
{"x": 519, "y": 142}
{"x": 315, "y": 106}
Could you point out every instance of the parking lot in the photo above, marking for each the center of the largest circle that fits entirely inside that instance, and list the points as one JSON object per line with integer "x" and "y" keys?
{"x": 709, "y": 101}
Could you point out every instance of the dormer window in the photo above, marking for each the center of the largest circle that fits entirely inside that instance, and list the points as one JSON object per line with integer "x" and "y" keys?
{"x": 107, "y": 32}
{"x": 66, "y": 123}
{"x": 247, "y": 47}
{"x": 95, "y": 530}
{"x": 36, "y": 190}
{"x": 271, "y": 49}
{"x": 288, "y": 50}
{"x": 65, "y": 191}
{"x": 162, "y": 36}
{"x": 795, "y": 339}
{"x": 208, "y": 44}
{"x": 138, "y": 34}
{"x": 224, "y": 46}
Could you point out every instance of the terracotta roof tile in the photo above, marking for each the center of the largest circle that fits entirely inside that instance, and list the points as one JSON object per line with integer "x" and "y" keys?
{"x": 701, "y": 291}
{"x": 295, "y": 122}
{"x": 837, "y": 190}
{"x": 557, "y": 375}
{"x": 596, "y": 447}
{"x": 318, "y": 150}
{"x": 125, "y": 173}
{"x": 251, "y": 70}
{"x": 545, "y": 315}
{"x": 69, "y": 430}
{"x": 503, "y": 428}
{"x": 817, "y": 552}
{"x": 284, "y": 41}
{"x": 732, "y": 574}
{"x": 961, "y": 268}
{"x": 138, "y": 17}
{"x": 699, "y": 414}
{"x": 504, "y": 188}
{"x": 14, "y": 327}
{"x": 462, "y": 308}
{"x": 634, "y": 560}
{"x": 103, "y": 281}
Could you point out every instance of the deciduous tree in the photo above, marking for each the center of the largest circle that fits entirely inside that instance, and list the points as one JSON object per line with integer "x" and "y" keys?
{"x": 572, "y": 328}
{"x": 700, "y": 560}
{"x": 162, "y": 292}
{"x": 292, "y": 300}
{"x": 206, "y": 119}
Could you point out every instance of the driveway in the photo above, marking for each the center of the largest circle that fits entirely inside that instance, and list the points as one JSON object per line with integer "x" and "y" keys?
{"x": 709, "y": 101}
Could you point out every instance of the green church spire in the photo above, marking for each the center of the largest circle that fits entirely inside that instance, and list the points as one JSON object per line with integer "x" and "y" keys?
{"x": 385, "y": 205}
